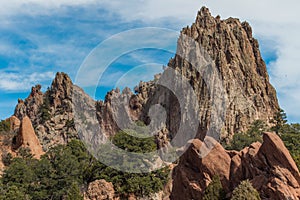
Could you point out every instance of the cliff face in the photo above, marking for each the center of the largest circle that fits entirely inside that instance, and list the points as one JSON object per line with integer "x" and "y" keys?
{"x": 235, "y": 53}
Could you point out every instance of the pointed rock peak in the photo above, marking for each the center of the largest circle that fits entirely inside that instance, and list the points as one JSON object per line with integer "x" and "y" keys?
{"x": 61, "y": 78}
{"x": 204, "y": 12}
{"x": 204, "y": 18}
{"x": 126, "y": 91}
{"x": 35, "y": 91}
{"x": 246, "y": 26}
{"x": 62, "y": 84}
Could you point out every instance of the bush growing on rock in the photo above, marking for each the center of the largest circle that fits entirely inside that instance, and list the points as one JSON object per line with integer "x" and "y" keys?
{"x": 242, "y": 140}
{"x": 4, "y": 126}
{"x": 245, "y": 191}
{"x": 214, "y": 190}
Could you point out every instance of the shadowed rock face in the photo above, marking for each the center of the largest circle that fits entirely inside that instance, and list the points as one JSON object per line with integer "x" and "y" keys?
{"x": 268, "y": 166}
{"x": 30, "y": 107}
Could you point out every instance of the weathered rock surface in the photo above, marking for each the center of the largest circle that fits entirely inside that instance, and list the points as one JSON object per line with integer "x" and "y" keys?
{"x": 236, "y": 55}
{"x": 6, "y": 141}
{"x": 227, "y": 46}
{"x": 50, "y": 113}
{"x": 100, "y": 190}
{"x": 30, "y": 107}
{"x": 27, "y": 138}
{"x": 14, "y": 123}
{"x": 268, "y": 166}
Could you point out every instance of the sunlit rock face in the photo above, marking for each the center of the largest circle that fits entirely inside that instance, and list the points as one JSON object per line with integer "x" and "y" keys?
{"x": 269, "y": 167}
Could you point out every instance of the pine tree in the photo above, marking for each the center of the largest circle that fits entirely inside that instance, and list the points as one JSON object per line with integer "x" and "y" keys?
{"x": 279, "y": 120}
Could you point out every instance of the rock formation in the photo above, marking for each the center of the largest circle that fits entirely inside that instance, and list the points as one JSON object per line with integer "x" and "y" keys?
{"x": 222, "y": 63}
{"x": 27, "y": 138}
{"x": 227, "y": 47}
{"x": 268, "y": 166}
{"x": 50, "y": 112}
{"x": 14, "y": 123}
{"x": 100, "y": 189}
{"x": 30, "y": 107}
{"x": 235, "y": 53}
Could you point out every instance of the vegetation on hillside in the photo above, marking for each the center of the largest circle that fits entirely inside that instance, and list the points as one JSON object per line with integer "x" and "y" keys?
{"x": 131, "y": 141}
{"x": 64, "y": 170}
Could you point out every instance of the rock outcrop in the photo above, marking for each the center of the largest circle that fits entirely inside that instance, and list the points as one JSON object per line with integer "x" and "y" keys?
{"x": 100, "y": 189}
{"x": 217, "y": 57}
{"x": 6, "y": 141}
{"x": 268, "y": 166}
{"x": 30, "y": 107}
{"x": 14, "y": 123}
{"x": 50, "y": 112}
{"x": 222, "y": 63}
{"x": 27, "y": 138}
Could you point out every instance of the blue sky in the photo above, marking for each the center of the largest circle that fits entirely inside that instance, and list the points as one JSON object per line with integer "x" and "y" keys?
{"x": 39, "y": 38}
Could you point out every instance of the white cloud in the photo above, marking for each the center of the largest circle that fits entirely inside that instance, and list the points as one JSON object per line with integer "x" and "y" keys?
{"x": 14, "y": 81}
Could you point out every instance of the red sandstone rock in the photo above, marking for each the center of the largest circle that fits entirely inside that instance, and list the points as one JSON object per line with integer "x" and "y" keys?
{"x": 268, "y": 166}
{"x": 28, "y": 139}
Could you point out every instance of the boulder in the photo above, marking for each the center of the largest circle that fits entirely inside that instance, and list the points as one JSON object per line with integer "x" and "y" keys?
{"x": 100, "y": 190}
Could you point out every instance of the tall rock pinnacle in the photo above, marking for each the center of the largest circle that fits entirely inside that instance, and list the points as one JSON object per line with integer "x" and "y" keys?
{"x": 236, "y": 54}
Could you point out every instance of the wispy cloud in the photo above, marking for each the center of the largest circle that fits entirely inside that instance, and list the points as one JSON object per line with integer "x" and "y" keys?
{"x": 13, "y": 81}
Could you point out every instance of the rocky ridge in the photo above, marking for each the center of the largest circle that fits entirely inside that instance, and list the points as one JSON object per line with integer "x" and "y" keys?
{"x": 268, "y": 166}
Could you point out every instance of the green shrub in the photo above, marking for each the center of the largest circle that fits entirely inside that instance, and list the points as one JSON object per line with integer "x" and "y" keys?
{"x": 242, "y": 140}
{"x": 279, "y": 120}
{"x": 214, "y": 190}
{"x": 245, "y": 191}
{"x": 45, "y": 108}
{"x": 4, "y": 126}
{"x": 6, "y": 158}
{"x": 291, "y": 138}
{"x": 132, "y": 141}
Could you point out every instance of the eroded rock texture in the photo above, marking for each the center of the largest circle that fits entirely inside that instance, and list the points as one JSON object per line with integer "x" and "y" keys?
{"x": 236, "y": 55}
{"x": 268, "y": 166}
